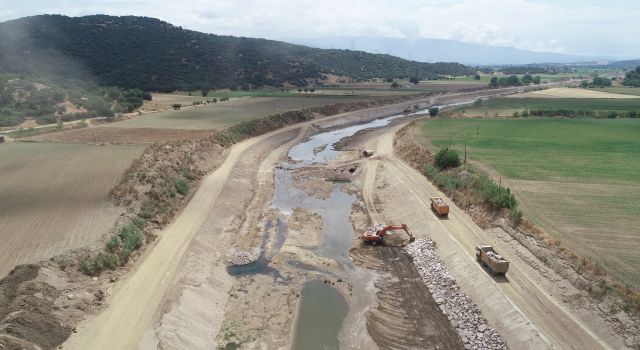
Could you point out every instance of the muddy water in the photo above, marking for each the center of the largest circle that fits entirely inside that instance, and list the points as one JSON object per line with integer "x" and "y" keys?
{"x": 338, "y": 237}
{"x": 317, "y": 328}
{"x": 307, "y": 151}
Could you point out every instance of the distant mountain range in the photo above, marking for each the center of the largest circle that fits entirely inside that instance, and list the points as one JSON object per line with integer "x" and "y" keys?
{"x": 437, "y": 50}
{"x": 146, "y": 53}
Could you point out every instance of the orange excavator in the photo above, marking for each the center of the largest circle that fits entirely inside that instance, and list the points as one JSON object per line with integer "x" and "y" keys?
{"x": 375, "y": 235}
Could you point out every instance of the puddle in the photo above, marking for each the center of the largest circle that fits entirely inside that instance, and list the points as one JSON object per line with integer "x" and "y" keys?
{"x": 322, "y": 312}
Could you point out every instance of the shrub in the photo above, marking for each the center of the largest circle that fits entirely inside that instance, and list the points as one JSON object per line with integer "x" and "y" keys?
{"x": 176, "y": 106}
{"x": 443, "y": 181}
{"x": 447, "y": 158}
{"x": 181, "y": 185}
{"x": 434, "y": 111}
{"x": 95, "y": 265}
{"x": 497, "y": 196}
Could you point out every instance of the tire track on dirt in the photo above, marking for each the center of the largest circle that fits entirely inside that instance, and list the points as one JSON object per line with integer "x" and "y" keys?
{"x": 557, "y": 324}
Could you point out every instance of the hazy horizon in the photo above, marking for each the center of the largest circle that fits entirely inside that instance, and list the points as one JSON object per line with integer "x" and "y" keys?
{"x": 573, "y": 27}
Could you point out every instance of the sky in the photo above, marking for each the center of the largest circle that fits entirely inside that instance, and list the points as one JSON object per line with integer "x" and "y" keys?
{"x": 600, "y": 28}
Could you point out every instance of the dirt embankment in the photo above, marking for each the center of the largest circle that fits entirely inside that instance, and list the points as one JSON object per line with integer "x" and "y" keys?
{"x": 608, "y": 298}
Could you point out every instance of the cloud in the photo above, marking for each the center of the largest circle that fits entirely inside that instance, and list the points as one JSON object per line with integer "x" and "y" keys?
{"x": 586, "y": 26}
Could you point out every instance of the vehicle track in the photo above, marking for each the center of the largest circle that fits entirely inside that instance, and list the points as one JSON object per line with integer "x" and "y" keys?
{"x": 557, "y": 324}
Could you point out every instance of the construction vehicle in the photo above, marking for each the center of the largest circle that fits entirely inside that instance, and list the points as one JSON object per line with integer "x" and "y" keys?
{"x": 376, "y": 235}
{"x": 488, "y": 257}
{"x": 439, "y": 207}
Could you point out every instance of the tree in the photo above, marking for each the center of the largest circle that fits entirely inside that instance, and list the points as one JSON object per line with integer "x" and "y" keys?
{"x": 584, "y": 84}
{"x": 527, "y": 79}
{"x": 204, "y": 92}
{"x": 147, "y": 96}
{"x": 513, "y": 80}
{"x": 601, "y": 82}
{"x": 433, "y": 111}
{"x": 395, "y": 85}
{"x": 494, "y": 82}
{"x": 447, "y": 158}
{"x": 176, "y": 106}
{"x": 536, "y": 80}
{"x": 389, "y": 80}
{"x": 414, "y": 80}
{"x": 632, "y": 78}
{"x": 476, "y": 76}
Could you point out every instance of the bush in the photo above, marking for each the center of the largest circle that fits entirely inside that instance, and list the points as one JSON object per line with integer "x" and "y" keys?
{"x": 434, "y": 111}
{"x": 181, "y": 185}
{"x": 497, "y": 196}
{"x": 447, "y": 158}
{"x": 95, "y": 265}
{"x": 443, "y": 181}
{"x": 176, "y": 106}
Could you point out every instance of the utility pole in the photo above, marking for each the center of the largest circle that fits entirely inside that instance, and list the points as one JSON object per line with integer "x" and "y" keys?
{"x": 465, "y": 153}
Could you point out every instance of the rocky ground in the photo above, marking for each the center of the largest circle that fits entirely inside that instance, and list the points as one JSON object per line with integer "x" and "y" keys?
{"x": 463, "y": 313}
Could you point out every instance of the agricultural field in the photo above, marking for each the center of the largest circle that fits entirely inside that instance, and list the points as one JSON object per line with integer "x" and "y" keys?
{"x": 507, "y": 105}
{"x": 53, "y": 197}
{"x": 621, "y": 90}
{"x": 565, "y": 92}
{"x": 223, "y": 114}
{"x": 578, "y": 179}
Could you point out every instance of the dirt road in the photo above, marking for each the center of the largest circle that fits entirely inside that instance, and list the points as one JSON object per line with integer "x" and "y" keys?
{"x": 135, "y": 302}
{"x": 508, "y": 304}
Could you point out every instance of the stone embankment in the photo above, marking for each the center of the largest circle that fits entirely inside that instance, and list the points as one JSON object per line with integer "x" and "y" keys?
{"x": 463, "y": 314}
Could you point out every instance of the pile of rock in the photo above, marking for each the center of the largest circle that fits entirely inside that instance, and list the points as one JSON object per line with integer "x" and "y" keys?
{"x": 463, "y": 314}
{"x": 243, "y": 257}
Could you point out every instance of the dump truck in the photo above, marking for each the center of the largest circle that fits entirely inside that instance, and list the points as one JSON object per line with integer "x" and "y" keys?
{"x": 375, "y": 235}
{"x": 488, "y": 257}
{"x": 439, "y": 207}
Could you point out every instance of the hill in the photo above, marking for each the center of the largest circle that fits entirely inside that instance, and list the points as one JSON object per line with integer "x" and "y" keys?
{"x": 146, "y": 53}
{"x": 628, "y": 64}
{"x": 431, "y": 50}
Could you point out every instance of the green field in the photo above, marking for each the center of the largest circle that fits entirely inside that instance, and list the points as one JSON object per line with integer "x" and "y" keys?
{"x": 224, "y": 114}
{"x": 578, "y": 179}
{"x": 506, "y": 106}
{"x": 622, "y": 90}
{"x": 597, "y": 104}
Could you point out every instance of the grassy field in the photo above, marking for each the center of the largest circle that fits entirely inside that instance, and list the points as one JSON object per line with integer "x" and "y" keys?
{"x": 53, "y": 197}
{"x": 506, "y": 106}
{"x": 578, "y": 179}
{"x": 622, "y": 90}
{"x": 224, "y": 114}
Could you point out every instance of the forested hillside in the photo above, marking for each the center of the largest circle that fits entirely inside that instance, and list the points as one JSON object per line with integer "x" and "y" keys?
{"x": 146, "y": 53}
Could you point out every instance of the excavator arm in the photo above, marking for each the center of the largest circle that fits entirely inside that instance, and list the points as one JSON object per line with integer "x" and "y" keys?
{"x": 404, "y": 227}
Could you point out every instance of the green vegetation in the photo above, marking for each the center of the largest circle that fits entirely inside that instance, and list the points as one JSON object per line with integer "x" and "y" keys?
{"x": 447, "y": 158}
{"x": 475, "y": 185}
{"x": 513, "y": 80}
{"x": 576, "y": 104}
{"x": 118, "y": 249}
{"x": 575, "y": 178}
{"x": 582, "y": 150}
{"x": 225, "y": 113}
{"x": 632, "y": 78}
{"x": 46, "y": 99}
{"x": 161, "y": 57}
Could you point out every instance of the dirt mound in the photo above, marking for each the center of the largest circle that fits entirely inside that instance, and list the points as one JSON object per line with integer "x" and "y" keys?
{"x": 124, "y": 136}
{"x": 409, "y": 150}
{"x": 27, "y": 319}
